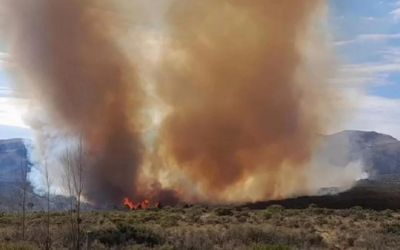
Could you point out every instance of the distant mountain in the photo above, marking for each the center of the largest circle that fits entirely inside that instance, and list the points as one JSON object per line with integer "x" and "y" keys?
{"x": 13, "y": 159}
{"x": 13, "y": 162}
{"x": 379, "y": 153}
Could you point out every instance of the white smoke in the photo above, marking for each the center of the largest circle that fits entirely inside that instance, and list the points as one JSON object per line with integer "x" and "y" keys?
{"x": 48, "y": 145}
{"x": 329, "y": 176}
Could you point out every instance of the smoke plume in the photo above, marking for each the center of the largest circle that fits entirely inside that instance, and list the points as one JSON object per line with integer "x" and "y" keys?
{"x": 66, "y": 53}
{"x": 246, "y": 87}
{"x": 238, "y": 93}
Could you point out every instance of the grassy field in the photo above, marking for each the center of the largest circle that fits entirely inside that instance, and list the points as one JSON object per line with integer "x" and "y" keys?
{"x": 201, "y": 227}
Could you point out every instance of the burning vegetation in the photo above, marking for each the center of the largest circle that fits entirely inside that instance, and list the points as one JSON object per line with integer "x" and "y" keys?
{"x": 141, "y": 205}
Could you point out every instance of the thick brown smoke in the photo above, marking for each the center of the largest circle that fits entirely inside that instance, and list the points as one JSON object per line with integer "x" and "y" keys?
{"x": 67, "y": 51}
{"x": 244, "y": 107}
{"x": 244, "y": 86}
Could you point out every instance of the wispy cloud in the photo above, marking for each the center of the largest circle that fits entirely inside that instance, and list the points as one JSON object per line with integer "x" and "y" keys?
{"x": 378, "y": 114}
{"x": 373, "y": 68}
{"x": 369, "y": 38}
{"x": 360, "y": 80}
{"x": 396, "y": 12}
{"x": 368, "y": 18}
{"x": 370, "y": 74}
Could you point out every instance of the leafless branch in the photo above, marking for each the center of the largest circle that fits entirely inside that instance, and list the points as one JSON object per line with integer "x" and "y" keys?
{"x": 75, "y": 175}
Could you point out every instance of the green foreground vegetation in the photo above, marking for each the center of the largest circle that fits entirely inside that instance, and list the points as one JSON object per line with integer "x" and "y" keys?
{"x": 200, "y": 227}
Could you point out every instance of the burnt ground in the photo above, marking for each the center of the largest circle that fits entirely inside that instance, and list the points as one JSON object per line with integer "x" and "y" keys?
{"x": 379, "y": 194}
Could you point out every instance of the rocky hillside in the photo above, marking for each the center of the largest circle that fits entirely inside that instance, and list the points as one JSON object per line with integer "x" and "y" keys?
{"x": 13, "y": 160}
{"x": 379, "y": 153}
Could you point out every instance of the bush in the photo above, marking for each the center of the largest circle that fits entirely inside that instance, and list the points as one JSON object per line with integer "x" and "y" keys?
{"x": 223, "y": 211}
{"x": 169, "y": 221}
{"x": 270, "y": 247}
{"x": 275, "y": 208}
{"x": 360, "y": 216}
{"x": 309, "y": 239}
{"x": 195, "y": 239}
{"x": 242, "y": 219}
{"x": 125, "y": 233}
{"x": 343, "y": 213}
{"x": 16, "y": 246}
{"x": 356, "y": 208}
{"x": 291, "y": 212}
{"x": 319, "y": 210}
{"x": 391, "y": 229}
{"x": 312, "y": 206}
{"x": 150, "y": 216}
{"x": 387, "y": 212}
{"x": 194, "y": 213}
{"x": 268, "y": 215}
{"x": 248, "y": 235}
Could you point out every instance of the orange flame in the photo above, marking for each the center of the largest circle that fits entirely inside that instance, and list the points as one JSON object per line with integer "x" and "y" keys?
{"x": 143, "y": 205}
{"x": 128, "y": 203}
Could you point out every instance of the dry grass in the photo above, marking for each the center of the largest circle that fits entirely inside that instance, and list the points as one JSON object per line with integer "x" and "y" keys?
{"x": 221, "y": 228}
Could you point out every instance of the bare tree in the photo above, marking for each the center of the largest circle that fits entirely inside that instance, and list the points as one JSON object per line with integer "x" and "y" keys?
{"x": 75, "y": 175}
{"x": 23, "y": 191}
{"x": 48, "y": 182}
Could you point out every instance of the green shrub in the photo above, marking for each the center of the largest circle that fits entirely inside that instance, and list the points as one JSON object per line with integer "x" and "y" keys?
{"x": 166, "y": 247}
{"x": 150, "y": 216}
{"x": 312, "y": 206}
{"x": 267, "y": 215}
{"x": 179, "y": 209}
{"x": 291, "y": 212}
{"x": 169, "y": 221}
{"x": 270, "y": 247}
{"x": 360, "y": 216}
{"x": 194, "y": 213}
{"x": 242, "y": 219}
{"x": 6, "y": 220}
{"x": 223, "y": 211}
{"x": 343, "y": 212}
{"x": 16, "y": 246}
{"x": 356, "y": 208}
{"x": 248, "y": 235}
{"x": 387, "y": 212}
{"x": 275, "y": 208}
{"x": 125, "y": 233}
{"x": 391, "y": 229}
{"x": 318, "y": 210}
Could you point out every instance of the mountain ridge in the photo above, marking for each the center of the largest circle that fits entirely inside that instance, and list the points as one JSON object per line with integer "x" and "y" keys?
{"x": 380, "y": 153}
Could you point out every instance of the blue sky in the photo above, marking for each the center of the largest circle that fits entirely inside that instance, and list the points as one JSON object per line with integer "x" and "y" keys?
{"x": 367, "y": 35}
{"x": 367, "y": 39}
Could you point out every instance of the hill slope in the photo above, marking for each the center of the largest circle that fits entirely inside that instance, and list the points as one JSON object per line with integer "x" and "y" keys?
{"x": 379, "y": 153}
{"x": 13, "y": 157}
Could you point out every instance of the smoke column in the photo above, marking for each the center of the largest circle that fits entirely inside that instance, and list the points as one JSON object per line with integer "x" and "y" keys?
{"x": 239, "y": 95}
{"x": 66, "y": 52}
{"x": 246, "y": 87}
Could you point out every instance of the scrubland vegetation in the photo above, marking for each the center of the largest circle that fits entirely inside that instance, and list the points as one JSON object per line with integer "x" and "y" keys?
{"x": 202, "y": 227}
